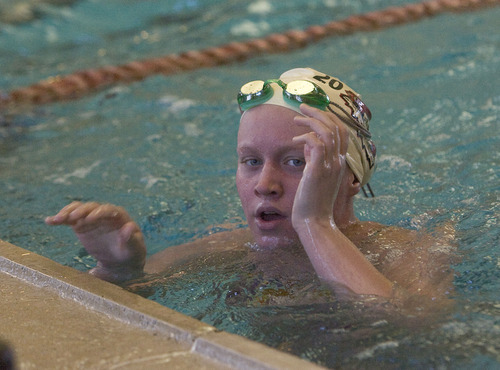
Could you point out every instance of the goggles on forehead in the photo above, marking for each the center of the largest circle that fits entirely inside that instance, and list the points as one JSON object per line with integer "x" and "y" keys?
{"x": 295, "y": 93}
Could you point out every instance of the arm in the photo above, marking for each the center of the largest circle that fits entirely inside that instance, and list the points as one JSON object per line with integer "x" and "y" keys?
{"x": 334, "y": 257}
{"x": 223, "y": 241}
{"x": 338, "y": 261}
{"x": 110, "y": 235}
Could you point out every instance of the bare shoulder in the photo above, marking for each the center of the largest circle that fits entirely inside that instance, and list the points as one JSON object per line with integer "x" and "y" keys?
{"x": 419, "y": 260}
{"x": 376, "y": 237}
{"x": 230, "y": 240}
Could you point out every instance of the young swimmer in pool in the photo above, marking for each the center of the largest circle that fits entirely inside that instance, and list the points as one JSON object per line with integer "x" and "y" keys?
{"x": 304, "y": 152}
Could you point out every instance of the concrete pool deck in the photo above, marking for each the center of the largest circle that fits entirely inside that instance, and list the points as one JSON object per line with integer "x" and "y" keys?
{"x": 55, "y": 317}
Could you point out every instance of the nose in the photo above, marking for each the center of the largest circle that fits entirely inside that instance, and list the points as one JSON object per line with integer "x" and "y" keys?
{"x": 269, "y": 182}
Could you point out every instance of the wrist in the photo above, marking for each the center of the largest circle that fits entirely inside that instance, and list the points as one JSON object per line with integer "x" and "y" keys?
{"x": 118, "y": 273}
{"x": 312, "y": 224}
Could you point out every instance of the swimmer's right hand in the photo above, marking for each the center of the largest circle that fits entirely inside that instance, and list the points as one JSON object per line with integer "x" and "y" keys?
{"x": 110, "y": 235}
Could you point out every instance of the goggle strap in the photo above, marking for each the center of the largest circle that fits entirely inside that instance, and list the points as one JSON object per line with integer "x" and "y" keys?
{"x": 350, "y": 122}
{"x": 372, "y": 194}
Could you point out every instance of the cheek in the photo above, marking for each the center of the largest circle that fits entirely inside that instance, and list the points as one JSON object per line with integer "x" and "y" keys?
{"x": 243, "y": 187}
{"x": 292, "y": 186}
{"x": 239, "y": 182}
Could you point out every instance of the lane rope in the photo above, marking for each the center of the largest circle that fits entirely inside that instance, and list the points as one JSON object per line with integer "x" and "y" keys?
{"x": 84, "y": 82}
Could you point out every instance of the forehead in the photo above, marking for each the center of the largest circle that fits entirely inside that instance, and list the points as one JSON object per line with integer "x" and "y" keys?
{"x": 269, "y": 125}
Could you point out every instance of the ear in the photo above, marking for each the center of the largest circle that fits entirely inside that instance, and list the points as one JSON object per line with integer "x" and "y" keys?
{"x": 354, "y": 184}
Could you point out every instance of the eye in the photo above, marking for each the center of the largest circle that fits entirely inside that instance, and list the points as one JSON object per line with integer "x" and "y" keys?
{"x": 252, "y": 162}
{"x": 296, "y": 162}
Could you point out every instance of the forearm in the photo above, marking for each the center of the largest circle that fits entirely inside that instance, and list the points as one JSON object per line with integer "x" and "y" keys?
{"x": 338, "y": 261}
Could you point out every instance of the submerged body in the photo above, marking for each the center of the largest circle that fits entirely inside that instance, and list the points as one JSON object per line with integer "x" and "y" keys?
{"x": 391, "y": 250}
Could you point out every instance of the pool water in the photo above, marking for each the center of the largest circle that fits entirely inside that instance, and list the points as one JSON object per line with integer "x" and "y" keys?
{"x": 164, "y": 148}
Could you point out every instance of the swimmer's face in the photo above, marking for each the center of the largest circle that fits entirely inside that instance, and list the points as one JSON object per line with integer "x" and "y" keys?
{"x": 269, "y": 171}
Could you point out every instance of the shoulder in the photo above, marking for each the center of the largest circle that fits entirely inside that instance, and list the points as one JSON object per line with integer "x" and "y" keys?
{"x": 231, "y": 239}
{"x": 418, "y": 260}
{"x": 384, "y": 239}
{"x": 362, "y": 231}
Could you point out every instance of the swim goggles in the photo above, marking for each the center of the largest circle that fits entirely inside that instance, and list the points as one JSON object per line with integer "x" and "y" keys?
{"x": 295, "y": 93}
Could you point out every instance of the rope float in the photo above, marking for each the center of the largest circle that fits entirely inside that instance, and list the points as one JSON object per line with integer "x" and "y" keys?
{"x": 84, "y": 82}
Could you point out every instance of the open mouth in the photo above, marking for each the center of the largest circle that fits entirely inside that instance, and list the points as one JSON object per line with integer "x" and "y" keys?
{"x": 270, "y": 216}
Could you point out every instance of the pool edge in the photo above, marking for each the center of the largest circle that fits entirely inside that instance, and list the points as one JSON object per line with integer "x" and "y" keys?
{"x": 117, "y": 303}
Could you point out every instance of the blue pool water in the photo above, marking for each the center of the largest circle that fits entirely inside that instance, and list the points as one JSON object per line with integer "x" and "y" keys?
{"x": 164, "y": 148}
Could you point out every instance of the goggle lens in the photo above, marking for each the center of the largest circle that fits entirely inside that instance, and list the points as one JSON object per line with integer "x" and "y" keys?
{"x": 252, "y": 87}
{"x": 300, "y": 87}
{"x": 296, "y": 92}
{"x": 254, "y": 93}
{"x": 306, "y": 92}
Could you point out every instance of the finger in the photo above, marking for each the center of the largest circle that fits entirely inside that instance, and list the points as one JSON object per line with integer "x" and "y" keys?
{"x": 327, "y": 153}
{"x": 319, "y": 121}
{"x": 311, "y": 111}
{"x": 329, "y": 135}
{"x": 343, "y": 139}
{"x": 61, "y": 216}
{"x": 327, "y": 117}
{"x": 314, "y": 147}
{"x": 315, "y": 124}
{"x": 82, "y": 211}
{"x": 109, "y": 211}
{"x": 328, "y": 126}
{"x": 128, "y": 230}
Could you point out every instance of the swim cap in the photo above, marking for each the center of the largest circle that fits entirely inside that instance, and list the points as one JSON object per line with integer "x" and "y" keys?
{"x": 347, "y": 105}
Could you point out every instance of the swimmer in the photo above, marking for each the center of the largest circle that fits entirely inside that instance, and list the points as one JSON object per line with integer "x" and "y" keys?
{"x": 304, "y": 152}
